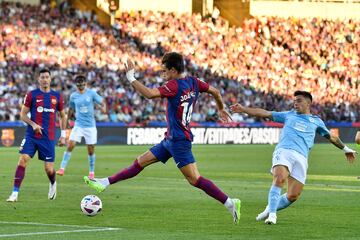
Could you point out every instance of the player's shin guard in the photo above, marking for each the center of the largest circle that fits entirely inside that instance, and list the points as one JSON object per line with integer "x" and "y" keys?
{"x": 211, "y": 189}
{"x": 19, "y": 176}
{"x": 273, "y": 198}
{"x": 126, "y": 173}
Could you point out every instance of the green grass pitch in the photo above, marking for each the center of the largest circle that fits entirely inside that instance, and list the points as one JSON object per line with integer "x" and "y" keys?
{"x": 160, "y": 204}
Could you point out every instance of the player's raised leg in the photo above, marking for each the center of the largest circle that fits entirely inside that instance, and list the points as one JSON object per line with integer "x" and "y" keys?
{"x": 100, "y": 184}
{"x": 66, "y": 158}
{"x": 193, "y": 176}
{"x": 19, "y": 177}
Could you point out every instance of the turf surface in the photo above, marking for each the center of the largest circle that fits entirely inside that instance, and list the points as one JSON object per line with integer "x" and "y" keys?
{"x": 160, "y": 204}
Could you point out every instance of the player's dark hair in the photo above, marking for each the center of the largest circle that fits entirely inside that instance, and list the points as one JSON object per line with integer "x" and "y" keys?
{"x": 173, "y": 60}
{"x": 80, "y": 78}
{"x": 44, "y": 70}
{"x": 305, "y": 94}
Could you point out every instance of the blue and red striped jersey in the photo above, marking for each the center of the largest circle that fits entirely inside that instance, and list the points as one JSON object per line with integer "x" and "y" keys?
{"x": 43, "y": 107}
{"x": 182, "y": 95}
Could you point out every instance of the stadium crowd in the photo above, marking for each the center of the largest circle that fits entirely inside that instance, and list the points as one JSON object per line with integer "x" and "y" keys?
{"x": 260, "y": 64}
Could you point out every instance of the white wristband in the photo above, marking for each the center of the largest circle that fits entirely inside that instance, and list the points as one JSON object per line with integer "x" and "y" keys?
{"x": 63, "y": 133}
{"x": 346, "y": 149}
{"x": 130, "y": 75}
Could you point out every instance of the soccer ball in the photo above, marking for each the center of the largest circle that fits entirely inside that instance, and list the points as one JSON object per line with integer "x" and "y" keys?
{"x": 91, "y": 205}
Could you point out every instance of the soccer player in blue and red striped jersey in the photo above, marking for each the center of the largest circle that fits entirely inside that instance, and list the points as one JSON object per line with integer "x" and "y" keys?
{"x": 181, "y": 93}
{"x": 42, "y": 103}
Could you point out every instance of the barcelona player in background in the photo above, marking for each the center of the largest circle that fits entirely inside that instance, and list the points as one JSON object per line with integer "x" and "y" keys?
{"x": 181, "y": 93}
{"x": 43, "y": 104}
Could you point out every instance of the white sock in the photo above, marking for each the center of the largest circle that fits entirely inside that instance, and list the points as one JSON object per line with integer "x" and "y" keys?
{"x": 104, "y": 181}
{"x": 229, "y": 204}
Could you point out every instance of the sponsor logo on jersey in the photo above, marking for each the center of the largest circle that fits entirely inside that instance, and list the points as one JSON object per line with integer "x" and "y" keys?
{"x": 42, "y": 109}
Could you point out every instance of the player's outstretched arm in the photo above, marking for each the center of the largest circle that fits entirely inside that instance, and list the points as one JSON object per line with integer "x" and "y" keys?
{"x": 223, "y": 114}
{"x": 258, "y": 112}
{"x": 24, "y": 117}
{"x": 141, "y": 88}
{"x": 349, "y": 153}
{"x": 357, "y": 137}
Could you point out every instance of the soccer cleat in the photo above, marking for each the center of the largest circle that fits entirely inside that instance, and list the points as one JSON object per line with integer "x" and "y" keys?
{"x": 95, "y": 184}
{"x": 13, "y": 197}
{"x": 262, "y": 216}
{"x": 236, "y": 210}
{"x": 271, "y": 220}
{"x": 52, "y": 191}
{"x": 60, "y": 172}
{"x": 91, "y": 175}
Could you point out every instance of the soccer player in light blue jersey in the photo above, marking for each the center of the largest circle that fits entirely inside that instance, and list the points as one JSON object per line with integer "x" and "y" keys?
{"x": 289, "y": 161}
{"x": 82, "y": 103}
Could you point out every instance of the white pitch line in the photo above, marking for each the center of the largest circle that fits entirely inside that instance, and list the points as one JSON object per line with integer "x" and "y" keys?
{"x": 48, "y": 224}
{"x": 90, "y": 229}
{"x": 57, "y": 232}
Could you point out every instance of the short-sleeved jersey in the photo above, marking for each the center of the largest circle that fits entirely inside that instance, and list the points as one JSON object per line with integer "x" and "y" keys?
{"x": 299, "y": 131}
{"x": 182, "y": 95}
{"x": 43, "y": 107}
{"x": 83, "y": 104}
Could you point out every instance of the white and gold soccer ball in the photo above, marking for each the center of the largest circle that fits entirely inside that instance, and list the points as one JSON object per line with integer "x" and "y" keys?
{"x": 91, "y": 205}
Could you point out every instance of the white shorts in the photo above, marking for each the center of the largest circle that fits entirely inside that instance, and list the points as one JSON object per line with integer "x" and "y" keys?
{"x": 90, "y": 135}
{"x": 294, "y": 161}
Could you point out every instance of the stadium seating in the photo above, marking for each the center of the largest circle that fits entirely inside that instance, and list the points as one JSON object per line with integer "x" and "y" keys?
{"x": 259, "y": 64}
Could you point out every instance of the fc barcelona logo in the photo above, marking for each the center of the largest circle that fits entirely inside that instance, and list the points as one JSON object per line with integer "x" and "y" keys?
{"x": 53, "y": 101}
{"x": 7, "y": 137}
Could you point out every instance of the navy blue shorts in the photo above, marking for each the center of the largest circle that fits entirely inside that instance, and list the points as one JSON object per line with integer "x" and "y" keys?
{"x": 45, "y": 148}
{"x": 180, "y": 150}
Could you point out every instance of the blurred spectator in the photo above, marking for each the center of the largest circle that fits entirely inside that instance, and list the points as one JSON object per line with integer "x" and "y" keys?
{"x": 260, "y": 64}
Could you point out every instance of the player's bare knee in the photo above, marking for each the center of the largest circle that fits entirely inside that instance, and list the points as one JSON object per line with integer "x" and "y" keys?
{"x": 23, "y": 160}
{"x": 49, "y": 170}
{"x": 279, "y": 180}
{"x": 192, "y": 180}
{"x": 91, "y": 149}
{"x": 292, "y": 197}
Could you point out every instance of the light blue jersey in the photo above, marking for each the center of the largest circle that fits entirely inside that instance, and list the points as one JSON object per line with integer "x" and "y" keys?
{"x": 84, "y": 107}
{"x": 299, "y": 130}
